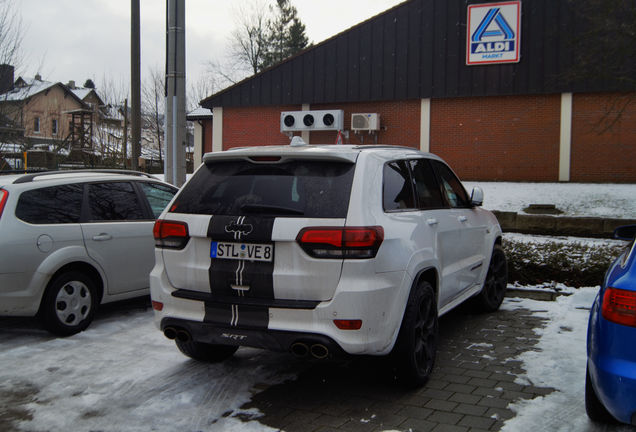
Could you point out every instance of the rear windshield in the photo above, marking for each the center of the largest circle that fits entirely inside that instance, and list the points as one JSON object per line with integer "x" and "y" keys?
{"x": 298, "y": 188}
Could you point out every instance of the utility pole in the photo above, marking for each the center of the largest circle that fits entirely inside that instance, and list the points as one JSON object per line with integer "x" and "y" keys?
{"x": 135, "y": 84}
{"x": 175, "y": 139}
{"x": 125, "y": 133}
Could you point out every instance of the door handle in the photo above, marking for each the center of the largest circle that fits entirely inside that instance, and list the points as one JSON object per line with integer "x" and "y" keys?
{"x": 431, "y": 221}
{"x": 462, "y": 218}
{"x": 102, "y": 237}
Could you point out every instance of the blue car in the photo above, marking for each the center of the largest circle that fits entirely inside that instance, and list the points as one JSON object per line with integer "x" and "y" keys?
{"x": 610, "y": 385}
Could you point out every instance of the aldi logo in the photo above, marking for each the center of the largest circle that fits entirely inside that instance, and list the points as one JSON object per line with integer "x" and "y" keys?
{"x": 494, "y": 33}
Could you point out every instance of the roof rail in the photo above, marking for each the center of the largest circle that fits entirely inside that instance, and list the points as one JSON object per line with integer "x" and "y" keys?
{"x": 30, "y": 177}
{"x": 383, "y": 147}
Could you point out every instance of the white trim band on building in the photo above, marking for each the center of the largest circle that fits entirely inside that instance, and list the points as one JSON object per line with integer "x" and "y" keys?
{"x": 565, "y": 139}
{"x": 425, "y": 125}
{"x": 217, "y": 129}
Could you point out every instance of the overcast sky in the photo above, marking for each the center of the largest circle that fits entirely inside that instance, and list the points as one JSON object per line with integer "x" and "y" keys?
{"x": 79, "y": 39}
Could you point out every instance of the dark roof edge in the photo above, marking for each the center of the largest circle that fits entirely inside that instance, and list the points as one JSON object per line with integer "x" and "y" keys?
{"x": 208, "y": 99}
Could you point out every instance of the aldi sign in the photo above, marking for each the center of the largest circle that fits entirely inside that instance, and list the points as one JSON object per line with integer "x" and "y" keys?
{"x": 494, "y": 33}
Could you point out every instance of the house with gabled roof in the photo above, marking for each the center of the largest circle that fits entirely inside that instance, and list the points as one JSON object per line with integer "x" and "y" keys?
{"x": 41, "y": 108}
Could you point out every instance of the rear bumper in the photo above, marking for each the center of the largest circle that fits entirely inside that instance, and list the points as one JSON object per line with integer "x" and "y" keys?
{"x": 19, "y": 296}
{"x": 277, "y": 324}
{"x": 615, "y": 384}
{"x": 298, "y": 343}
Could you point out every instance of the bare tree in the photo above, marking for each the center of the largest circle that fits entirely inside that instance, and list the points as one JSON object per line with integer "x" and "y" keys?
{"x": 11, "y": 33}
{"x": 153, "y": 101}
{"x": 110, "y": 133}
{"x": 249, "y": 39}
{"x": 199, "y": 89}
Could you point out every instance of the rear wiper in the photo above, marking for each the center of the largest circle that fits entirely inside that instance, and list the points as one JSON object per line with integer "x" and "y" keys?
{"x": 272, "y": 209}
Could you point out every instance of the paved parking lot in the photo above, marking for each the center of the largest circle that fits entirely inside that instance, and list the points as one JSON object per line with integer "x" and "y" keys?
{"x": 122, "y": 374}
{"x": 470, "y": 388}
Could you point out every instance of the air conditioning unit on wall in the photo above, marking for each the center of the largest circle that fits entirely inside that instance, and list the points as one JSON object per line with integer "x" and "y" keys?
{"x": 318, "y": 120}
{"x": 365, "y": 122}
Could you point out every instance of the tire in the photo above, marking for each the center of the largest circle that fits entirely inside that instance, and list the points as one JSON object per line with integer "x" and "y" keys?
{"x": 494, "y": 289}
{"x": 416, "y": 346}
{"x": 595, "y": 409}
{"x": 206, "y": 352}
{"x": 69, "y": 304}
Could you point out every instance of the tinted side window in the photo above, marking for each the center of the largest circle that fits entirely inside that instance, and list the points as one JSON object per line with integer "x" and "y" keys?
{"x": 51, "y": 205}
{"x": 296, "y": 188}
{"x": 398, "y": 187}
{"x": 451, "y": 186}
{"x": 114, "y": 201}
{"x": 427, "y": 190}
{"x": 158, "y": 196}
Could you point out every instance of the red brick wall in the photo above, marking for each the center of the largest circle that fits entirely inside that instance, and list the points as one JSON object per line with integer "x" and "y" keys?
{"x": 206, "y": 126}
{"x": 399, "y": 122}
{"x": 254, "y": 126}
{"x": 600, "y": 154}
{"x": 512, "y": 138}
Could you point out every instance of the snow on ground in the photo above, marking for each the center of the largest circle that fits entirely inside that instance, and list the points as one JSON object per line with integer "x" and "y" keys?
{"x": 562, "y": 240}
{"x": 559, "y": 362}
{"x": 99, "y": 380}
{"x": 574, "y": 199}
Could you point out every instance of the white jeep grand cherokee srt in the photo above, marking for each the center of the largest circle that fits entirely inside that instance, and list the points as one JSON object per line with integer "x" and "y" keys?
{"x": 323, "y": 251}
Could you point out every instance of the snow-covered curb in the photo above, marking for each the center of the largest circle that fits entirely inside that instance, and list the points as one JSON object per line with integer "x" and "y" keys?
{"x": 563, "y": 340}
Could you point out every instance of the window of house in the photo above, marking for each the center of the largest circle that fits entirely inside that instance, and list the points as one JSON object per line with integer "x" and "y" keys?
{"x": 54, "y": 126}
{"x": 36, "y": 125}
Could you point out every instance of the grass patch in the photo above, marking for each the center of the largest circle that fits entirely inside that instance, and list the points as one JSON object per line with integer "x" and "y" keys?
{"x": 573, "y": 263}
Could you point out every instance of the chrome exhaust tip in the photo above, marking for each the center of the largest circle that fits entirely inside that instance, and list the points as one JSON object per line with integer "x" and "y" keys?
{"x": 183, "y": 336}
{"x": 299, "y": 349}
{"x": 319, "y": 351}
{"x": 170, "y": 333}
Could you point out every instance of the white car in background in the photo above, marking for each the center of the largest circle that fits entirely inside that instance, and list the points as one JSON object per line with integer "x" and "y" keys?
{"x": 323, "y": 251}
{"x": 70, "y": 240}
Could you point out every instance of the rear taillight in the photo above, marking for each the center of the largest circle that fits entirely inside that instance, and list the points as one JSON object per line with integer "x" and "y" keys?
{"x": 4, "y": 195}
{"x": 619, "y": 306}
{"x": 170, "y": 234}
{"x": 348, "y": 324}
{"x": 350, "y": 242}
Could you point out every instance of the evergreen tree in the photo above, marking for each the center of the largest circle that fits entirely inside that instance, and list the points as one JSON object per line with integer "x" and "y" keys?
{"x": 89, "y": 84}
{"x": 286, "y": 35}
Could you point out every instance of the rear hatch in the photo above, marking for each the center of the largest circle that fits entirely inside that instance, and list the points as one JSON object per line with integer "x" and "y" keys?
{"x": 242, "y": 217}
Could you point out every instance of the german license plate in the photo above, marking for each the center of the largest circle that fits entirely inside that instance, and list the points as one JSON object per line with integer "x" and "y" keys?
{"x": 242, "y": 251}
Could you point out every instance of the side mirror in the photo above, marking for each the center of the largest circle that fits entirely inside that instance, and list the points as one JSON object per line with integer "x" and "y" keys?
{"x": 477, "y": 197}
{"x": 625, "y": 232}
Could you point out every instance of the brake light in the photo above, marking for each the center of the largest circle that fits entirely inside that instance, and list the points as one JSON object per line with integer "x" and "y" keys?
{"x": 265, "y": 158}
{"x": 349, "y": 242}
{"x": 4, "y": 195}
{"x": 619, "y": 306}
{"x": 170, "y": 234}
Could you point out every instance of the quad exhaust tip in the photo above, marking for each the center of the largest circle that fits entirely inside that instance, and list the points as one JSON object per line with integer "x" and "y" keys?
{"x": 317, "y": 350}
{"x": 299, "y": 349}
{"x": 170, "y": 333}
{"x": 179, "y": 334}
